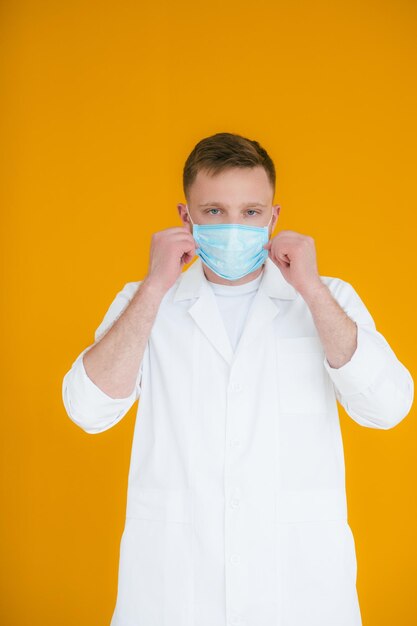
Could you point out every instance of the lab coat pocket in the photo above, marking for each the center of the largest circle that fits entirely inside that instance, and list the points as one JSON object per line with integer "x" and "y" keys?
{"x": 301, "y": 381}
{"x": 156, "y": 565}
{"x": 317, "y": 565}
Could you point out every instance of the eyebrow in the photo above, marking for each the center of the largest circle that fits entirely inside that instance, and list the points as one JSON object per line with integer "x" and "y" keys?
{"x": 225, "y": 205}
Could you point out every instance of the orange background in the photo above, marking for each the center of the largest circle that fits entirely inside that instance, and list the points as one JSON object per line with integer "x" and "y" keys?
{"x": 103, "y": 103}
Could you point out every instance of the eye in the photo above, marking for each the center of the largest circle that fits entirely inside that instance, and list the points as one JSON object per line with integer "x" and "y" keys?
{"x": 253, "y": 210}
{"x": 212, "y": 210}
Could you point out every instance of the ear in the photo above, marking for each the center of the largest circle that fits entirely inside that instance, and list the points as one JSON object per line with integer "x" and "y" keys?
{"x": 183, "y": 213}
{"x": 276, "y": 208}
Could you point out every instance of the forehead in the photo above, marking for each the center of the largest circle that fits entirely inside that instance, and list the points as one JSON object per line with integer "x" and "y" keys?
{"x": 234, "y": 185}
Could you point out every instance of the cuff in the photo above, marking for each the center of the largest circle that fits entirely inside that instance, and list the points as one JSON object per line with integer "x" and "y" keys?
{"x": 368, "y": 360}
{"x": 86, "y": 398}
{"x": 92, "y": 391}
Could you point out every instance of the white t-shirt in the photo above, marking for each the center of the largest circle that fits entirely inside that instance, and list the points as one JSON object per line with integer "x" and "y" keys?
{"x": 234, "y": 302}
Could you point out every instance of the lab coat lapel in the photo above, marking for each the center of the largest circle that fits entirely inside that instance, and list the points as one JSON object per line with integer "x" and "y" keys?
{"x": 262, "y": 311}
{"x": 207, "y": 316}
{"x": 265, "y": 306}
{"x": 205, "y": 312}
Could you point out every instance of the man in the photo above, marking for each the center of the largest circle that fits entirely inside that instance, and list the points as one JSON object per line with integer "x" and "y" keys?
{"x": 236, "y": 505}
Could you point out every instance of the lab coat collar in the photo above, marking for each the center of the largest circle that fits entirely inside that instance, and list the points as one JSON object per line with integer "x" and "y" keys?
{"x": 205, "y": 312}
{"x": 273, "y": 283}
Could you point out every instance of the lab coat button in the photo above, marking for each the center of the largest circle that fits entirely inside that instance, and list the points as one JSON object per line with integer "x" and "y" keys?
{"x": 234, "y": 558}
{"x": 235, "y": 502}
{"x": 235, "y": 442}
{"x": 236, "y": 387}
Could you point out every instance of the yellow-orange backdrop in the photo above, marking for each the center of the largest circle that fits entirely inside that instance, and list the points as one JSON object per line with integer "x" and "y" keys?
{"x": 103, "y": 103}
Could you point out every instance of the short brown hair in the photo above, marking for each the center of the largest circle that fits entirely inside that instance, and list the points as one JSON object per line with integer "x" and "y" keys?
{"x": 224, "y": 151}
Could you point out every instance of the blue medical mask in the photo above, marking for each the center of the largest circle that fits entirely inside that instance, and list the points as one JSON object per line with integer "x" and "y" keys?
{"x": 231, "y": 250}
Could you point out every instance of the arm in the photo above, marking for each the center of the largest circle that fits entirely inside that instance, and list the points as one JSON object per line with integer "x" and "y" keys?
{"x": 372, "y": 385}
{"x": 104, "y": 381}
{"x": 113, "y": 361}
{"x": 338, "y": 332}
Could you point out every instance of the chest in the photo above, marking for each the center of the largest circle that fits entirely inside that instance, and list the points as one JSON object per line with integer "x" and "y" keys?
{"x": 278, "y": 358}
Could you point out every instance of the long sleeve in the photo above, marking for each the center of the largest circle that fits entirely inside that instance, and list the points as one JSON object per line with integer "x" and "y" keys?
{"x": 86, "y": 404}
{"x": 374, "y": 387}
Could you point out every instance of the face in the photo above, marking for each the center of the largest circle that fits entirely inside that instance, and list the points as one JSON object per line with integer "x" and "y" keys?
{"x": 236, "y": 196}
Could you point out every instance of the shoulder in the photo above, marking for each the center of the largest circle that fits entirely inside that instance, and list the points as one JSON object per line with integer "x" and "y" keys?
{"x": 130, "y": 289}
{"x": 335, "y": 284}
{"x": 347, "y": 297}
{"x": 342, "y": 290}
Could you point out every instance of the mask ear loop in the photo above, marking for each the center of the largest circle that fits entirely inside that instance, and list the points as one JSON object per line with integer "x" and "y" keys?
{"x": 272, "y": 215}
{"x": 189, "y": 215}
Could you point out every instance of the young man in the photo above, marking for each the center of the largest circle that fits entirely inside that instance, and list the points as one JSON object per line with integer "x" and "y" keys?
{"x": 236, "y": 505}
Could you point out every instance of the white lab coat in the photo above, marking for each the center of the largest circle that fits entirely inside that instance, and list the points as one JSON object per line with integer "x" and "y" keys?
{"x": 236, "y": 505}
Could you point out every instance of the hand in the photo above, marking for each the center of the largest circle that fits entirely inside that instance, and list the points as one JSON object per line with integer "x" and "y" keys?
{"x": 171, "y": 249}
{"x": 295, "y": 255}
